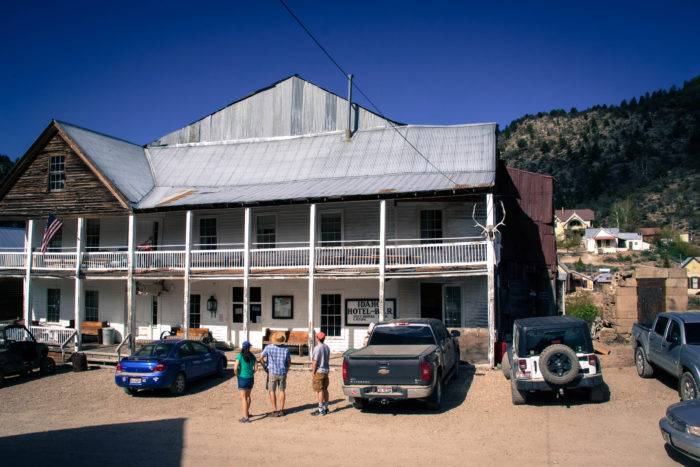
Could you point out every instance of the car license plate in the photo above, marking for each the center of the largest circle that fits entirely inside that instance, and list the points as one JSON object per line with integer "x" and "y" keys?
{"x": 384, "y": 389}
{"x": 135, "y": 380}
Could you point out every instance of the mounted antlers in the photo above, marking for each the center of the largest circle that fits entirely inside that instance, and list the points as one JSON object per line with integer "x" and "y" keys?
{"x": 489, "y": 231}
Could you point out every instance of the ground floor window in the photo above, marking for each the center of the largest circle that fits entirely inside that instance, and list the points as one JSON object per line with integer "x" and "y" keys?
{"x": 453, "y": 306}
{"x": 195, "y": 310}
{"x": 254, "y": 306}
{"x": 694, "y": 282}
{"x": 331, "y": 320}
{"x": 154, "y": 310}
{"x": 53, "y": 305}
{"x": 91, "y": 305}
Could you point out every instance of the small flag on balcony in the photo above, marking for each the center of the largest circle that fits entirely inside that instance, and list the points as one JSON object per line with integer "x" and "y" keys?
{"x": 53, "y": 225}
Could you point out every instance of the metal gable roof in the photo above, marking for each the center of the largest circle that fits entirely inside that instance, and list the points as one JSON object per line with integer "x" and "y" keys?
{"x": 123, "y": 163}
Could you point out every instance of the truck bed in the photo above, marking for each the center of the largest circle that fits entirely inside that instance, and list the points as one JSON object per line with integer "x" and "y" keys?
{"x": 388, "y": 364}
{"x": 391, "y": 351}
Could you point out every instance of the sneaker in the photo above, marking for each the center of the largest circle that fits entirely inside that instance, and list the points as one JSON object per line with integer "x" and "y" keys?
{"x": 317, "y": 412}
{"x": 244, "y": 420}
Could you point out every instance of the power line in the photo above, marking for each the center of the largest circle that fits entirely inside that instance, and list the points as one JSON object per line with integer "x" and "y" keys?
{"x": 370, "y": 101}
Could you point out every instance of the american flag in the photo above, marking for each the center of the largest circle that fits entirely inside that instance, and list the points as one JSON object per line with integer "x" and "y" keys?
{"x": 53, "y": 225}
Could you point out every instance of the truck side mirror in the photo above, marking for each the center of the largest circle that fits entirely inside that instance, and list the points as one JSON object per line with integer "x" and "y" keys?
{"x": 455, "y": 333}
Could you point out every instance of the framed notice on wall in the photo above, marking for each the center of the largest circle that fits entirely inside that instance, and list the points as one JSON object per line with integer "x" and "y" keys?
{"x": 363, "y": 311}
{"x": 283, "y": 307}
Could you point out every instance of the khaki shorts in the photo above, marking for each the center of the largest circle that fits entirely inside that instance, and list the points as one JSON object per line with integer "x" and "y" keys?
{"x": 320, "y": 381}
{"x": 275, "y": 382}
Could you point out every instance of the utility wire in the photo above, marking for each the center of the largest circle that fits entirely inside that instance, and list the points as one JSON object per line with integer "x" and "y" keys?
{"x": 346, "y": 76}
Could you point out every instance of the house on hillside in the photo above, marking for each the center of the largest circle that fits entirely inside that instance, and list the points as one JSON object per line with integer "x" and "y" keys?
{"x": 570, "y": 221}
{"x": 611, "y": 240}
{"x": 272, "y": 213}
{"x": 650, "y": 234}
{"x": 692, "y": 268}
{"x": 574, "y": 280}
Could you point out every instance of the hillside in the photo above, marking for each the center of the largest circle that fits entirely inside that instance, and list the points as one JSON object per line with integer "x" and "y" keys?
{"x": 638, "y": 162}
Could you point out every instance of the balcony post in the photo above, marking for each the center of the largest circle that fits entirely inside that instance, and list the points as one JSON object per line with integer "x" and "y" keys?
{"x": 491, "y": 278}
{"x": 186, "y": 279}
{"x": 78, "y": 299}
{"x": 246, "y": 272}
{"x": 27, "y": 299}
{"x": 312, "y": 265}
{"x": 131, "y": 285}
{"x": 382, "y": 256}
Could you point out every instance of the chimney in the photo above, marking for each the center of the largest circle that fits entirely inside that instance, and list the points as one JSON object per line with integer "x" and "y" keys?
{"x": 348, "y": 129}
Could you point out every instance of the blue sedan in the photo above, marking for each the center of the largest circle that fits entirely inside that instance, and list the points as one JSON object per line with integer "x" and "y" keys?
{"x": 170, "y": 364}
{"x": 680, "y": 428}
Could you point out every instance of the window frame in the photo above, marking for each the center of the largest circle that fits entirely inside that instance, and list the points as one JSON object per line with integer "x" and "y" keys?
{"x": 55, "y": 307}
{"x": 319, "y": 230}
{"x": 202, "y": 245}
{"x": 444, "y": 305}
{"x": 420, "y": 226}
{"x": 154, "y": 310}
{"x": 330, "y": 329}
{"x": 93, "y": 307}
{"x": 92, "y": 239}
{"x": 197, "y": 312}
{"x": 59, "y": 173}
{"x": 239, "y": 303}
{"x": 258, "y": 243}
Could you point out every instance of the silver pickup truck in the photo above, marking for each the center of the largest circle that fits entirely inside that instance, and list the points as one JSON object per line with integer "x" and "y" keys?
{"x": 671, "y": 344}
{"x": 403, "y": 359}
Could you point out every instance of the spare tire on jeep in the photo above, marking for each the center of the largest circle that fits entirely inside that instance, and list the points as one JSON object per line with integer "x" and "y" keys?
{"x": 559, "y": 364}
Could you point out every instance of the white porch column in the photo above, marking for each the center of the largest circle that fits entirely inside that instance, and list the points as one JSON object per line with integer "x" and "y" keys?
{"x": 382, "y": 256}
{"x": 186, "y": 280}
{"x": 131, "y": 285}
{"x": 246, "y": 272}
{"x": 312, "y": 265}
{"x": 79, "y": 298}
{"x": 27, "y": 298}
{"x": 491, "y": 277}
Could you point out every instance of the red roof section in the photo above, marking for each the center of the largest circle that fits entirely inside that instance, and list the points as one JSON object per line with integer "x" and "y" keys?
{"x": 585, "y": 214}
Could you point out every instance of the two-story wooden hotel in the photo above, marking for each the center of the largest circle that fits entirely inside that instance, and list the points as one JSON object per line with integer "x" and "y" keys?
{"x": 269, "y": 214}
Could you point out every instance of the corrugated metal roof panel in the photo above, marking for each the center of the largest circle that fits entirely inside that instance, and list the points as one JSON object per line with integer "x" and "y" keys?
{"x": 123, "y": 163}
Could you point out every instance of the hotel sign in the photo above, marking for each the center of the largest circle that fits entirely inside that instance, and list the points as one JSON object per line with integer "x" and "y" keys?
{"x": 363, "y": 311}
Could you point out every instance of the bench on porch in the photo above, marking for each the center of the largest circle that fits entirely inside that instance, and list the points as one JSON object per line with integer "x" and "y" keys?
{"x": 298, "y": 339}
{"x": 195, "y": 334}
{"x": 92, "y": 328}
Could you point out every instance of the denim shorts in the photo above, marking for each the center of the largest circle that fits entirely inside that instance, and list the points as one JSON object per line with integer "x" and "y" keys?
{"x": 245, "y": 383}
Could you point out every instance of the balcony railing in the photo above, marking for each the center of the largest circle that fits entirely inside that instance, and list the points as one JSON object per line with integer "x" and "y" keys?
{"x": 338, "y": 255}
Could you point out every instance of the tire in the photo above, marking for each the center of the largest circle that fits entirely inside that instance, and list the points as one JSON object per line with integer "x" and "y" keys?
{"x": 505, "y": 366}
{"x": 358, "y": 402}
{"x": 518, "y": 397}
{"x": 221, "y": 368}
{"x": 47, "y": 366}
{"x": 597, "y": 394}
{"x": 179, "y": 385}
{"x": 2, "y": 378}
{"x": 644, "y": 368}
{"x": 687, "y": 387}
{"x": 435, "y": 400}
{"x": 559, "y": 364}
{"x": 130, "y": 391}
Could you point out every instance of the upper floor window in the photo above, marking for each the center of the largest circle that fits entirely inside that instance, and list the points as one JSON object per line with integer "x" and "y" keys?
{"x": 331, "y": 228}
{"x": 207, "y": 234}
{"x": 430, "y": 226}
{"x": 92, "y": 234}
{"x": 266, "y": 229}
{"x": 57, "y": 173}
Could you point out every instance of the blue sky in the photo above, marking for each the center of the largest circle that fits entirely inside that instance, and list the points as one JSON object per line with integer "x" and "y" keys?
{"x": 140, "y": 69}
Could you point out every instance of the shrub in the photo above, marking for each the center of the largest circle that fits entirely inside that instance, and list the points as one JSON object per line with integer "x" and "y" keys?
{"x": 581, "y": 306}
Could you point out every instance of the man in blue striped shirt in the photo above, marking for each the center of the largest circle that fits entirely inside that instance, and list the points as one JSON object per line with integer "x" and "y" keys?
{"x": 277, "y": 360}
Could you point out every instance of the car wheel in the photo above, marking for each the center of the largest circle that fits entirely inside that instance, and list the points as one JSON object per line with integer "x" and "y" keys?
{"x": 221, "y": 368}
{"x": 130, "y": 391}
{"x": 644, "y": 368}
{"x": 179, "y": 385}
{"x": 47, "y": 366}
{"x": 518, "y": 397}
{"x": 687, "y": 387}
{"x": 358, "y": 402}
{"x": 435, "y": 400}
{"x": 505, "y": 366}
{"x": 597, "y": 394}
{"x": 559, "y": 364}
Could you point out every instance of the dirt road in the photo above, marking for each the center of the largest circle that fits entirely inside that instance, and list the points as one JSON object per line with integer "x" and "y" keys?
{"x": 83, "y": 419}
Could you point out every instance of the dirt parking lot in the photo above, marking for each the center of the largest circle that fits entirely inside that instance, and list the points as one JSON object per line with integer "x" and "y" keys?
{"x": 84, "y": 419}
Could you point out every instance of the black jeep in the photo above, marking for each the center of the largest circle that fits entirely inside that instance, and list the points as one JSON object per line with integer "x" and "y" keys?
{"x": 20, "y": 353}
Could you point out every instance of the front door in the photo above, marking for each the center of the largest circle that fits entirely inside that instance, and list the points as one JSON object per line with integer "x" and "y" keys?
{"x": 431, "y": 301}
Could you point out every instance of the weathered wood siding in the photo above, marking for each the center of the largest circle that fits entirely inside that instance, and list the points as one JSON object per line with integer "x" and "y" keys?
{"x": 84, "y": 193}
{"x": 291, "y": 107}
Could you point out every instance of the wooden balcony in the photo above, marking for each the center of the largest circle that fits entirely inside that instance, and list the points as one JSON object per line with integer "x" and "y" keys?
{"x": 340, "y": 257}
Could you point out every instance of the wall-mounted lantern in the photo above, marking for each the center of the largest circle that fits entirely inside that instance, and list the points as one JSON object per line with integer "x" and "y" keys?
{"x": 212, "y": 306}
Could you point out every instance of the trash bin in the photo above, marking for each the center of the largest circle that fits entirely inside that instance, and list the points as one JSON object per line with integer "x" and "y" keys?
{"x": 108, "y": 336}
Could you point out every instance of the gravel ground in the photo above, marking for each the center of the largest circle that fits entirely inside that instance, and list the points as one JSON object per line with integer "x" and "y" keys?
{"x": 84, "y": 419}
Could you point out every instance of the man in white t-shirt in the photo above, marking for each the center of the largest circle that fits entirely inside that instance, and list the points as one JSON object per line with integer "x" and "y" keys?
{"x": 319, "y": 368}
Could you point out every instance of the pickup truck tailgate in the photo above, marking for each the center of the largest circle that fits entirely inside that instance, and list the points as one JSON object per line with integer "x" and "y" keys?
{"x": 387, "y": 364}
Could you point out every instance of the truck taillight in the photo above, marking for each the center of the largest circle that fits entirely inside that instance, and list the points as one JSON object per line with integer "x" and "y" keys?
{"x": 346, "y": 371}
{"x": 426, "y": 371}
{"x": 119, "y": 367}
{"x": 522, "y": 372}
{"x": 159, "y": 367}
{"x": 592, "y": 360}
{"x": 522, "y": 364}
